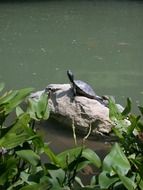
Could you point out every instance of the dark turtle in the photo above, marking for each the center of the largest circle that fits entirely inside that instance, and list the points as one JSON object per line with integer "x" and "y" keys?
{"x": 82, "y": 88}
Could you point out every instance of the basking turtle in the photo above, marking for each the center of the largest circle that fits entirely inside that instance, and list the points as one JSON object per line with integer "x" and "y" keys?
{"x": 82, "y": 88}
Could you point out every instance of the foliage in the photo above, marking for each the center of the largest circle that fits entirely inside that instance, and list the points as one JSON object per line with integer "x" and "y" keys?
{"x": 21, "y": 148}
{"x": 122, "y": 167}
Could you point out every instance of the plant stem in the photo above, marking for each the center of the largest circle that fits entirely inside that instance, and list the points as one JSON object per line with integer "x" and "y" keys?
{"x": 74, "y": 133}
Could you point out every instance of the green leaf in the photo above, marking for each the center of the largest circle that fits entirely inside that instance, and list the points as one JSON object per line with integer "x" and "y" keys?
{"x": 127, "y": 182}
{"x": 91, "y": 156}
{"x": 12, "y": 99}
{"x": 33, "y": 176}
{"x": 134, "y": 123}
{"x": 31, "y": 187}
{"x": 128, "y": 107}
{"x": 121, "y": 126}
{"x": 114, "y": 111}
{"x": 93, "y": 180}
{"x": 32, "y": 109}
{"x": 43, "y": 106}
{"x": 105, "y": 180}
{"x": 38, "y": 109}
{"x": 15, "y": 184}
{"x": 81, "y": 155}
{"x": 8, "y": 169}
{"x": 51, "y": 155}
{"x": 39, "y": 144}
{"x": 40, "y": 186}
{"x": 18, "y": 133}
{"x": 44, "y": 184}
{"x": 19, "y": 111}
{"x": 116, "y": 159}
{"x": 6, "y": 99}
{"x": 25, "y": 176}
{"x": 88, "y": 188}
{"x": 68, "y": 156}
{"x": 57, "y": 177}
{"x": 30, "y": 156}
{"x": 139, "y": 181}
{"x": 77, "y": 164}
{"x": 78, "y": 181}
{"x": 118, "y": 133}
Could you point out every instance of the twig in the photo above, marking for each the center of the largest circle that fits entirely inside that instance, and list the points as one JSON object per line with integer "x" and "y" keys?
{"x": 74, "y": 133}
{"x": 89, "y": 132}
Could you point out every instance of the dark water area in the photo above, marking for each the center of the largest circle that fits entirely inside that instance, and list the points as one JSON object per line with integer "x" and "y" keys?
{"x": 100, "y": 41}
{"x": 65, "y": 140}
{"x": 60, "y": 138}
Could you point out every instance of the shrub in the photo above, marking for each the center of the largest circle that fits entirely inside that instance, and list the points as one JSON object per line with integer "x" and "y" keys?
{"x": 21, "y": 148}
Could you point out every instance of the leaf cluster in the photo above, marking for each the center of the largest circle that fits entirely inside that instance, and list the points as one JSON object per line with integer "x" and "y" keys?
{"x": 21, "y": 148}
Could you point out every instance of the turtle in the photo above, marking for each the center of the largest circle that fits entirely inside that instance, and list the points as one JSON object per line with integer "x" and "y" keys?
{"x": 82, "y": 88}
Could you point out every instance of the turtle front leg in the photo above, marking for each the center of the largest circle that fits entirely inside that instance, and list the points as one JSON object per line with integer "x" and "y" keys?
{"x": 74, "y": 93}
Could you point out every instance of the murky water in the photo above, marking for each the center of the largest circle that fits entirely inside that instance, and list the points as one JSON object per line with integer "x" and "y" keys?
{"x": 101, "y": 41}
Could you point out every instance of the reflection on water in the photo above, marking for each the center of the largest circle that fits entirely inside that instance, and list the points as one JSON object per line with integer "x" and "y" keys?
{"x": 61, "y": 138}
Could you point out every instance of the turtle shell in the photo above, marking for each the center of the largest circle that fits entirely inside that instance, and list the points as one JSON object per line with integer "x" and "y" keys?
{"x": 82, "y": 88}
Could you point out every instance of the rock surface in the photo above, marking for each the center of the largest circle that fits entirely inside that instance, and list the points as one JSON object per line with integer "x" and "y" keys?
{"x": 83, "y": 112}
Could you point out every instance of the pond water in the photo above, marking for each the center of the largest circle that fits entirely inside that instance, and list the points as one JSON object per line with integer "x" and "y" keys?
{"x": 100, "y": 41}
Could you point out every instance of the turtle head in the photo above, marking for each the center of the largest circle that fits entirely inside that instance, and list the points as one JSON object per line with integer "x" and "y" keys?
{"x": 70, "y": 75}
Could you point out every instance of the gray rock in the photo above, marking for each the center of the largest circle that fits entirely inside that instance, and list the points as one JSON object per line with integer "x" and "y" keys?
{"x": 81, "y": 111}
{"x": 36, "y": 95}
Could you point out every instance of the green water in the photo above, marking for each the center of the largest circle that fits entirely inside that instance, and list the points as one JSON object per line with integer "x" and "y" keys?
{"x": 100, "y": 41}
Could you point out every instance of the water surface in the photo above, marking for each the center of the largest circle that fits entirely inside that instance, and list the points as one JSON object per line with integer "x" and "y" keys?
{"x": 100, "y": 41}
